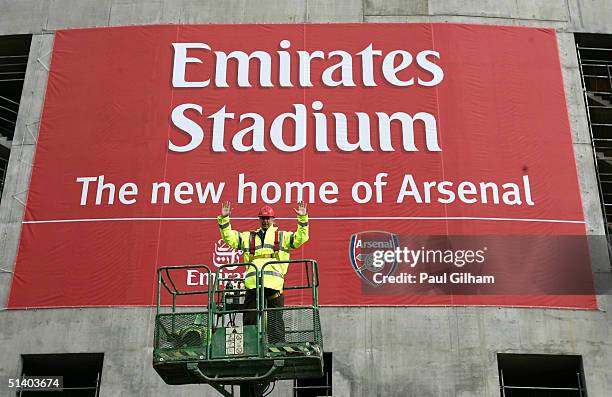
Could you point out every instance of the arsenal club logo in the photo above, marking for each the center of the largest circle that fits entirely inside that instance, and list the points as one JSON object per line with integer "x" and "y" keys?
{"x": 361, "y": 253}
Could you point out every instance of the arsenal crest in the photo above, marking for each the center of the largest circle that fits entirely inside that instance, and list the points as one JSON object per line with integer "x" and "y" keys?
{"x": 361, "y": 253}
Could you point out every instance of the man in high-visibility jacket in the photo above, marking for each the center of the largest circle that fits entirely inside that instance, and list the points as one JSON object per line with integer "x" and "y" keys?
{"x": 260, "y": 247}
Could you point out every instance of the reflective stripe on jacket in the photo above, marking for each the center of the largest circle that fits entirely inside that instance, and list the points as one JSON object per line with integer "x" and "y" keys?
{"x": 264, "y": 250}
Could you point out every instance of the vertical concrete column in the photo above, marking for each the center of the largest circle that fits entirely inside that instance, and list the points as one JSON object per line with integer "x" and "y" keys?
{"x": 22, "y": 154}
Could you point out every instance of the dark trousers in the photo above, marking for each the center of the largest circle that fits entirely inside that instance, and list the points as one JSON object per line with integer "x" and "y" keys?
{"x": 275, "y": 325}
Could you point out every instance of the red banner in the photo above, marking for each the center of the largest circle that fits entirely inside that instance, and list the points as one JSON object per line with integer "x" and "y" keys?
{"x": 408, "y": 129}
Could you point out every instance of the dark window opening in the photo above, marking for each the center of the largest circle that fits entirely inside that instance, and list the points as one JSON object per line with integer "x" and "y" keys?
{"x": 14, "y": 52}
{"x": 595, "y": 60}
{"x": 318, "y": 386}
{"x": 81, "y": 372}
{"x": 540, "y": 375}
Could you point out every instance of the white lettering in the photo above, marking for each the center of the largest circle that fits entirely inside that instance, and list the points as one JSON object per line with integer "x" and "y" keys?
{"x": 181, "y": 60}
{"x": 346, "y": 70}
{"x": 192, "y": 128}
{"x": 265, "y": 68}
{"x": 257, "y": 132}
{"x": 85, "y": 187}
{"x": 367, "y": 65}
{"x": 361, "y": 185}
{"x": 407, "y": 122}
{"x": 299, "y": 119}
{"x": 435, "y": 70}
{"x": 390, "y": 70}
{"x": 128, "y": 189}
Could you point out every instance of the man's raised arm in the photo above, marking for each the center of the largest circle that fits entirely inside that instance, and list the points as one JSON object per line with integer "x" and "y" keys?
{"x": 231, "y": 237}
{"x": 300, "y": 236}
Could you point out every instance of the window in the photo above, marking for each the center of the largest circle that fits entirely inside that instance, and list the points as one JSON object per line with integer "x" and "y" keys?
{"x": 540, "y": 375}
{"x": 595, "y": 60}
{"x": 82, "y": 372}
{"x": 14, "y": 51}
{"x": 316, "y": 387}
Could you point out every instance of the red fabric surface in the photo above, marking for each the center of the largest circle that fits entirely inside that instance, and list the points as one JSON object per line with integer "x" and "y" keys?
{"x": 500, "y": 113}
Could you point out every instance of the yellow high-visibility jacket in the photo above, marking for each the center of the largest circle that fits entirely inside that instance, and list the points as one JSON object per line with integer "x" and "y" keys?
{"x": 274, "y": 274}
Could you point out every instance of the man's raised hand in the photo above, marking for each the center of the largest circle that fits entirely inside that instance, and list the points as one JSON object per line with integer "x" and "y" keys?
{"x": 301, "y": 209}
{"x": 226, "y": 208}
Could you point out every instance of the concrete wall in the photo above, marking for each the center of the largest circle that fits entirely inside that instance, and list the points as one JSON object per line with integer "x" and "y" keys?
{"x": 377, "y": 351}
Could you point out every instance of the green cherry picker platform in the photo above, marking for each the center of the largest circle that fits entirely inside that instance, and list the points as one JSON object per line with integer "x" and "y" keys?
{"x": 200, "y": 338}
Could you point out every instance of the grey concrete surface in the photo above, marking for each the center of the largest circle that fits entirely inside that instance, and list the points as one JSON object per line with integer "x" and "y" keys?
{"x": 65, "y": 14}
{"x": 243, "y": 11}
{"x": 435, "y": 351}
{"x": 324, "y": 11}
{"x": 377, "y": 351}
{"x": 395, "y": 7}
{"x": 572, "y": 83}
{"x": 36, "y": 16}
{"x": 592, "y": 16}
{"x": 134, "y": 12}
{"x": 24, "y": 16}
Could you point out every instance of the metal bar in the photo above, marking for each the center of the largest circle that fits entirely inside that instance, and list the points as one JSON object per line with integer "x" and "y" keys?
{"x": 221, "y": 389}
{"x": 166, "y": 286}
{"x": 579, "y": 384}
{"x": 9, "y": 100}
{"x": 13, "y": 64}
{"x": 594, "y": 48}
{"x": 541, "y": 388}
{"x": 13, "y": 56}
{"x": 170, "y": 279}
{"x": 98, "y": 385}
{"x": 7, "y": 109}
{"x": 257, "y": 359}
{"x": 593, "y": 65}
{"x": 159, "y": 282}
{"x": 596, "y": 60}
{"x": 285, "y": 308}
{"x": 209, "y": 317}
{"x": 232, "y": 311}
{"x": 173, "y": 313}
{"x": 503, "y": 386}
{"x": 3, "y": 80}
{"x": 7, "y": 120}
{"x": 18, "y": 72}
{"x": 191, "y": 292}
{"x": 259, "y": 303}
{"x": 609, "y": 77}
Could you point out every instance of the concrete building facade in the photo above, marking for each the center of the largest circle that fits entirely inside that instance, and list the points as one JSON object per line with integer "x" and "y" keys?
{"x": 377, "y": 351}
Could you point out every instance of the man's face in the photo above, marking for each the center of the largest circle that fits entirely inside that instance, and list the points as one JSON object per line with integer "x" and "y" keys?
{"x": 265, "y": 222}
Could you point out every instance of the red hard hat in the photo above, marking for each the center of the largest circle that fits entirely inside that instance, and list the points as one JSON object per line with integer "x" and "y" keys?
{"x": 266, "y": 210}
